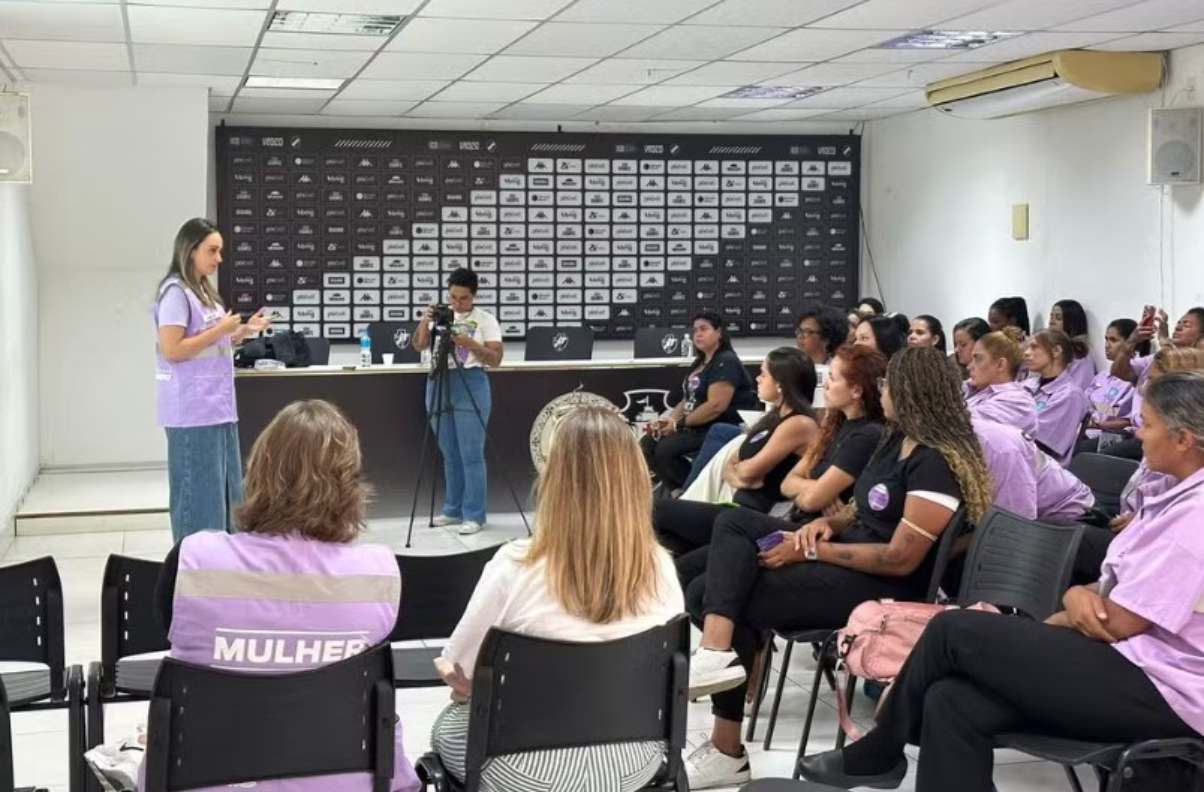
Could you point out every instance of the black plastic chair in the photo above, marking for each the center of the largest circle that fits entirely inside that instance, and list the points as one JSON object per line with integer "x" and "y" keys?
{"x": 434, "y": 594}
{"x": 31, "y": 601}
{"x": 659, "y": 342}
{"x": 319, "y": 350}
{"x": 825, "y": 654}
{"x": 1106, "y": 476}
{"x": 1113, "y": 763}
{"x": 129, "y": 626}
{"x": 538, "y": 694}
{"x": 559, "y": 343}
{"x": 210, "y": 727}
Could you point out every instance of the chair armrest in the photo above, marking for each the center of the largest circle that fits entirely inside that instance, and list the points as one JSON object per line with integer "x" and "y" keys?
{"x": 432, "y": 773}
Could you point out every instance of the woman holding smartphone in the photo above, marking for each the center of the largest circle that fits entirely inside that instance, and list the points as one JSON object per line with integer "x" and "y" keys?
{"x": 195, "y": 384}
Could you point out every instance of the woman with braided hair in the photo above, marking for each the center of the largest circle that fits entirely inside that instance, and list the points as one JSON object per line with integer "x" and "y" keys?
{"x": 928, "y": 464}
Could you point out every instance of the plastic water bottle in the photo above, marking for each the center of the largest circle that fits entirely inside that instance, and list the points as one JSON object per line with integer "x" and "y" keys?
{"x": 365, "y": 350}
{"x": 687, "y": 345}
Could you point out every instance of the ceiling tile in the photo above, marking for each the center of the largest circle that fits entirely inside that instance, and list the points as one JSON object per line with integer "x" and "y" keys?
{"x": 672, "y": 95}
{"x": 1153, "y": 42}
{"x": 1141, "y": 17}
{"x": 701, "y": 113}
{"x": 917, "y": 76}
{"x": 809, "y": 44}
{"x": 776, "y": 13}
{"x": 218, "y": 84}
{"x": 484, "y": 36}
{"x": 744, "y": 105}
{"x": 896, "y": 56}
{"x": 455, "y": 109}
{"x": 620, "y": 113}
{"x": 585, "y": 94}
{"x": 912, "y": 100}
{"x": 100, "y": 79}
{"x": 244, "y": 4}
{"x": 219, "y": 104}
{"x": 365, "y": 107}
{"x": 399, "y": 7}
{"x": 734, "y": 73}
{"x": 30, "y": 54}
{"x": 163, "y": 25}
{"x": 486, "y": 92}
{"x": 633, "y": 71}
{"x": 700, "y": 42}
{"x": 577, "y": 39}
{"x": 782, "y": 114}
{"x": 850, "y": 96}
{"x": 286, "y": 93}
{"x": 636, "y": 11}
{"x": 275, "y": 106}
{"x": 191, "y": 60}
{"x": 419, "y": 66}
{"x": 514, "y": 68}
{"x": 397, "y": 90}
{"x": 307, "y": 63}
{"x": 1031, "y": 14}
{"x": 860, "y": 114}
{"x": 1190, "y": 27}
{"x": 1028, "y": 45}
{"x": 834, "y": 73}
{"x": 540, "y": 112}
{"x": 890, "y": 14}
{"x": 492, "y": 9}
{"x": 61, "y": 22}
{"x": 322, "y": 41}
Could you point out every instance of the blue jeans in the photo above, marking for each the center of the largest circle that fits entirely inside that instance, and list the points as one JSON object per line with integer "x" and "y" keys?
{"x": 462, "y": 441}
{"x": 204, "y": 478}
{"x": 719, "y": 435}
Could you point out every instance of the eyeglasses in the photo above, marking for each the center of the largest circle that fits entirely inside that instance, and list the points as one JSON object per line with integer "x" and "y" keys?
{"x": 881, "y": 384}
{"x": 803, "y": 332}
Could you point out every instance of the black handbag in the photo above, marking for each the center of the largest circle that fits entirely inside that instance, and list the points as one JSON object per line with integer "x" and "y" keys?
{"x": 287, "y": 346}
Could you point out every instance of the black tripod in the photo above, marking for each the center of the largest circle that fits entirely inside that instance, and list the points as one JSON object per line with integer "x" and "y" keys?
{"x": 441, "y": 405}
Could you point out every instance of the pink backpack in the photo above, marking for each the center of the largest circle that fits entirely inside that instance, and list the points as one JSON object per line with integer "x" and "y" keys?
{"x": 877, "y": 640}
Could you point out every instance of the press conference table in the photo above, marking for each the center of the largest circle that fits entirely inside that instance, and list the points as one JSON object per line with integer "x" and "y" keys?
{"x": 386, "y": 404}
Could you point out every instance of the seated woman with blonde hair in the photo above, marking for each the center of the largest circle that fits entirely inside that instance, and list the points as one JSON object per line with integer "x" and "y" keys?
{"x": 293, "y": 585}
{"x": 592, "y": 572}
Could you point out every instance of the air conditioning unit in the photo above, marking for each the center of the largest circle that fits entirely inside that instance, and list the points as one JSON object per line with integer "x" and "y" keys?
{"x": 1059, "y": 78}
{"x": 15, "y": 162}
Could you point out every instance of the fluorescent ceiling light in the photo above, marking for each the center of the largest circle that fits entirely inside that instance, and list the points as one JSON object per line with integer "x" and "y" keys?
{"x": 343, "y": 24}
{"x": 946, "y": 39}
{"x": 772, "y": 92}
{"x": 311, "y": 83}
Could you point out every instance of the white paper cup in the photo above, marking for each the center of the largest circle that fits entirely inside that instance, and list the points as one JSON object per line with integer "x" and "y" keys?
{"x": 387, "y": 357}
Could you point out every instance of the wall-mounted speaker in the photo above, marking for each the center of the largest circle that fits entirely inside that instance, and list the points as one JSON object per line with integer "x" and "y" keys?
{"x": 16, "y": 163}
{"x": 1175, "y": 145}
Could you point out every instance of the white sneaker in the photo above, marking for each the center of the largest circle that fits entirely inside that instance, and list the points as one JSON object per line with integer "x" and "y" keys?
{"x": 709, "y": 767}
{"x": 469, "y": 527}
{"x": 443, "y": 520}
{"x": 714, "y": 671}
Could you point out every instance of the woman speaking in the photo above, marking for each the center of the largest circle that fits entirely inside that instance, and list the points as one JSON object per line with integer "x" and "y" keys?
{"x": 195, "y": 383}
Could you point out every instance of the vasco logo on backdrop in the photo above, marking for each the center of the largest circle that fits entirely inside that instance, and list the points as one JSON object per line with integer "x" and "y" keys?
{"x": 669, "y": 343}
{"x": 401, "y": 338}
{"x": 560, "y": 342}
{"x": 640, "y": 407}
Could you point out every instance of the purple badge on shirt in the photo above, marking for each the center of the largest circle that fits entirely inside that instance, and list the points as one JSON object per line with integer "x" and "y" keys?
{"x": 878, "y": 497}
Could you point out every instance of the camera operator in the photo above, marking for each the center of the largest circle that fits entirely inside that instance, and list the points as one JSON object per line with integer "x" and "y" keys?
{"x": 477, "y": 340}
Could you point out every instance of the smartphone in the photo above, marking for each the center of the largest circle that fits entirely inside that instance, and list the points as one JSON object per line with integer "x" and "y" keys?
{"x": 1147, "y": 317}
{"x": 770, "y": 541}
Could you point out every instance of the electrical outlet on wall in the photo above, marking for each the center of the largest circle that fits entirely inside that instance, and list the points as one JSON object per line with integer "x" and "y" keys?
{"x": 1020, "y": 221}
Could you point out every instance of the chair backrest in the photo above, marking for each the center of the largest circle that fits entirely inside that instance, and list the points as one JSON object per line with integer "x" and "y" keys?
{"x": 1106, "y": 476}
{"x": 944, "y": 552}
{"x": 435, "y": 591}
{"x": 393, "y": 337}
{"x": 533, "y": 693}
{"x": 129, "y": 624}
{"x": 319, "y": 350}
{"x": 31, "y": 617}
{"x": 6, "y": 744}
{"x": 559, "y": 343}
{"x": 1019, "y": 563}
{"x": 210, "y": 727}
{"x": 659, "y": 342}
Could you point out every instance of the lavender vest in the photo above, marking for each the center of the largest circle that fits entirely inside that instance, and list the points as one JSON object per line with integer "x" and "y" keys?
{"x": 1061, "y": 408}
{"x": 199, "y": 391}
{"x": 1082, "y": 371}
{"x": 1010, "y": 460}
{"x": 1008, "y": 403}
{"x": 1110, "y": 398}
{"x": 254, "y": 602}
{"x": 1144, "y": 484}
{"x": 1061, "y": 497}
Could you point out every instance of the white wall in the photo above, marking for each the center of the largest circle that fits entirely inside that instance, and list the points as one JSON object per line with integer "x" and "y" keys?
{"x": 18, "y": 354}
{"x": 117, "y": 171}
{"x": 939, "y": 201}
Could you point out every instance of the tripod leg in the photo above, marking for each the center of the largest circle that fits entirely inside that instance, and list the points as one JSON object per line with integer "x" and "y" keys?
{"x": 421, "y": 471}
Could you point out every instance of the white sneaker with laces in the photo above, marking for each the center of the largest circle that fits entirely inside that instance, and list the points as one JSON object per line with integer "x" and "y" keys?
{"x": 714, "y": 671}
{"x": 709, "y": 767}
{"x": 469, "y": 527}
{"x": 443, "y": 520}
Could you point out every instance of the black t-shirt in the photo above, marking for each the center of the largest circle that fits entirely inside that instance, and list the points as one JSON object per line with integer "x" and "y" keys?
{"x": 725, "y": 366}
{"x": 883, "y": 486}
{"x": 770, "y": 491}
{"x": 850, "y": 451}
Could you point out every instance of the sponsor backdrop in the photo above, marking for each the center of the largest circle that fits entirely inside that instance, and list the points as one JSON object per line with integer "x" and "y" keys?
{"x": 333, "y": 229}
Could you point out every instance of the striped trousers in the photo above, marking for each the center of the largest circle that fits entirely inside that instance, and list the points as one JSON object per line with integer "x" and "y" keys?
{"x": 618, "y": 767}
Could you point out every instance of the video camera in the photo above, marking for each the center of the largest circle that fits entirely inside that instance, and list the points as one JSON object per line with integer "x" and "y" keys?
{"x": 443, "y": 317}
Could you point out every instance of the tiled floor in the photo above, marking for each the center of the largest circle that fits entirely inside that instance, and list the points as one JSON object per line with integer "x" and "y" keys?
{"x": 40, "y": 738}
